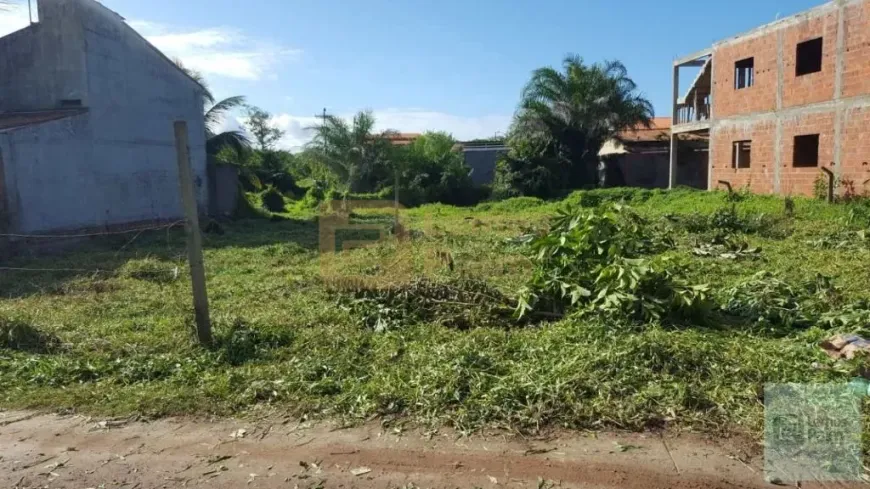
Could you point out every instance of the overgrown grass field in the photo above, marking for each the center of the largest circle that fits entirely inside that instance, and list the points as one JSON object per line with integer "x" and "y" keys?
{"x": 427, "y": 329}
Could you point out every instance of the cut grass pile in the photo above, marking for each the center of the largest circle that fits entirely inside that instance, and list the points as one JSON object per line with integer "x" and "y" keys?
{"x": 425, "y": 331}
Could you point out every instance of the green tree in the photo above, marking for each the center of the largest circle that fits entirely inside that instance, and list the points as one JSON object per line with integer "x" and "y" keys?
{"x": 215, "y": 112}
{"x": 361, "y": 158}
{"x": 564, "y": 118}
{"x": 259, "y": 124}
{"x": 435, "y": 171}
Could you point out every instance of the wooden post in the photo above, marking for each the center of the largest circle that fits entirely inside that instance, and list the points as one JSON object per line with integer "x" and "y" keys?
{"x": 397, "y": 197}
{"x": 672, "y": 170}
{"x": 831, "y": 184}
{"x": 194, "y": 238}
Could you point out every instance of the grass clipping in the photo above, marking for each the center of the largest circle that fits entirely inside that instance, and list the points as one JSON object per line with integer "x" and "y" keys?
{"x": 460, "y": 304}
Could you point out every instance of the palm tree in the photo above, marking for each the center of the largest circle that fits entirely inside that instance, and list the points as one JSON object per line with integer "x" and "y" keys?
{"x": 215, "y": 111}
{"x": 354, "y": 152}
{"x": 571, "y": 113}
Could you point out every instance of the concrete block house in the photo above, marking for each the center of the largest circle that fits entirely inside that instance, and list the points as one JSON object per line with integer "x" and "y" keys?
{"x": 782, "y": 101}
{"x": 86, "y": 124}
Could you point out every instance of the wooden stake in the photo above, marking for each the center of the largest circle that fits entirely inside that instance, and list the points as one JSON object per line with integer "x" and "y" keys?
{"x": 194, "y": 238}
{"x": 396, "y": 189}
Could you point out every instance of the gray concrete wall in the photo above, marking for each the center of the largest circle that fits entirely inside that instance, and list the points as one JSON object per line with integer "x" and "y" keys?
{"x": 482, "y": 164}
{"x": 223, "y": 181}
{"x": 136, "y": 95}
{"x": 117, "y": 163}
{"x": 44, "y": 64}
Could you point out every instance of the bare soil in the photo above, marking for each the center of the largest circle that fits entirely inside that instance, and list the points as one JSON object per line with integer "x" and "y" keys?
{"x": 46, "y": 450}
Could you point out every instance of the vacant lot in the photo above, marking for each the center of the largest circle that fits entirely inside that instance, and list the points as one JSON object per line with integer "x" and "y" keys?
{"x": 111, "y": 332}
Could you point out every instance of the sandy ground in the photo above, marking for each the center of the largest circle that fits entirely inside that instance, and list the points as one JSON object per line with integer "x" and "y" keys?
{"x": 43, "y": 450}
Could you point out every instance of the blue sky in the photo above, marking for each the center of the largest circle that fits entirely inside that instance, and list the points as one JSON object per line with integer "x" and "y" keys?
{"x": 448, "y": 65}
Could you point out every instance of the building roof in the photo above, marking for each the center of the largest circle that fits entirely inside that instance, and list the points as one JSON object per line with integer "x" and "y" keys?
{"x": 15, "y": 120}
{"x": 402, "y": 138}
{"x": 659, "y": 130}
{"x": 641, "y": 138}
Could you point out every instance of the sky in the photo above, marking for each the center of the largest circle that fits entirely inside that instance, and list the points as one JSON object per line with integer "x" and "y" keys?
{"x": 448, "y": 65}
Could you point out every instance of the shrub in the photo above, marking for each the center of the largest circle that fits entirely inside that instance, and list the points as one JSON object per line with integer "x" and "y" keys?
{"x": 592, "y": 259}
{"x": 249, "y": 205}
{"x": 273, "y": 200}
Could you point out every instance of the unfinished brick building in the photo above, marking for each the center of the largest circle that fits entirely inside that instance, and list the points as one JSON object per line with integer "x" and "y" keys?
{"x": 783, "y": 101}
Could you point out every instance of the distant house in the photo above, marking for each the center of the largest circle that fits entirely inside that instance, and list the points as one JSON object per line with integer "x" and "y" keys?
{"x": 402, "y": 138}
{"x": 86, "y": 124}
{"x": 640, "y": 157}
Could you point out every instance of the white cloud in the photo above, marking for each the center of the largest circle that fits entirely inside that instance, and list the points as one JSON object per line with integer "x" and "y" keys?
{"x": 403, "y": 120}
{"x": 217, "y": 51}
{"x": 214, "y": 51}
{"x": 13, "y": 18}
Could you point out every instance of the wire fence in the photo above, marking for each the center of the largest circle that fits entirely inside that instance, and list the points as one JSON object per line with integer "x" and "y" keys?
{"x": 136, "y": 233}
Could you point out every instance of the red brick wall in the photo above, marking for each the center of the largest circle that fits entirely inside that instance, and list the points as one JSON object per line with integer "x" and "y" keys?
{"x": 793, "y": 180}
{"x": 761, "y": 97}
{"x": 759, "y": 176}
{"x": 814, "y": 87}
{"x": 856, "y": 71}
{"x": 855, "y": 151}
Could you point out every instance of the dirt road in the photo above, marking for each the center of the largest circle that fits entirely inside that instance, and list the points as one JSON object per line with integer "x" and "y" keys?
{"x": 78, "y": 452}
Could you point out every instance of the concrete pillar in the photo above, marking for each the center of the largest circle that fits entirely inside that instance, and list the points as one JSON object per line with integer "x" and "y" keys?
{"x": 672, "y": 169}
{"x": 838, "y": 88}
{"x": 780, "y": 91}
{"x": 676, "y": 94}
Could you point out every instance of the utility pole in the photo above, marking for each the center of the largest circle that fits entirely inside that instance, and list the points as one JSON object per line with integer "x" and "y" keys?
{"x": 194, "y": 238}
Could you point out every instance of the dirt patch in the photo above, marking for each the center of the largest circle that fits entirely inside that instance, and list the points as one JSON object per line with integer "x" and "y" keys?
{"x": 76, "y": 452}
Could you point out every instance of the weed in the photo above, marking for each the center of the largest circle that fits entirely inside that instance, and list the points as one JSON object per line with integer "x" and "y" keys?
{"x": 241, "y": 343}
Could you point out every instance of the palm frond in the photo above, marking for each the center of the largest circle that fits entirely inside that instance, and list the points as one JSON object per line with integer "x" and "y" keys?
{"x": 207, "y": 96}
{"x": 237, "y": 140}
{"x": 214, "y": 115}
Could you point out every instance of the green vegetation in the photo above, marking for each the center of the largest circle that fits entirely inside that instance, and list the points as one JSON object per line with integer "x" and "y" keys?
{"x": 428, "y": 331}
{"x": 563, "y": 120}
